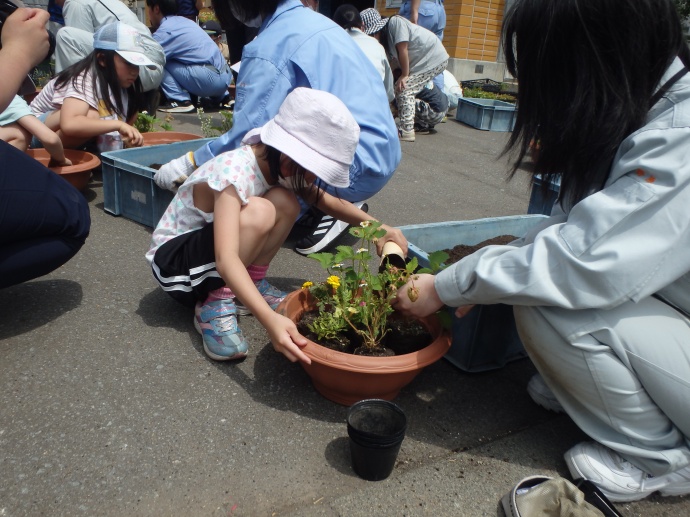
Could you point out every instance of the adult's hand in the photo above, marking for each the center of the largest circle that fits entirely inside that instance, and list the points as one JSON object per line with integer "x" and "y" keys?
{"x": 418, "y": 297}
{"x": 25, "y": 38}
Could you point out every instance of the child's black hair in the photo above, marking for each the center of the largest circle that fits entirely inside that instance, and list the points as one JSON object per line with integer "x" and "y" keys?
{"x": 587, "y": 71}
{"x": 297, "y": 180}
{"x": 246, "y": 9}
{"x": 105, "y": 83}
{"x": 347, "y": 16}
{"x": 167, "y": 7}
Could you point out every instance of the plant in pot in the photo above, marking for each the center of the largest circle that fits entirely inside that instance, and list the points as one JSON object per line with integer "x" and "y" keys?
{"x": 351, "y": 316}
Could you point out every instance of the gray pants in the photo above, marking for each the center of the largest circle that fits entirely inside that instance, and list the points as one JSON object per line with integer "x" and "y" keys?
{"x": 74, "y": 44}
{"x": 623, "y": 376}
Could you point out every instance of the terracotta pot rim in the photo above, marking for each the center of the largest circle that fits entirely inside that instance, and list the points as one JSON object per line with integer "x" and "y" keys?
{"x": 382, "y": 365}
{"x": 86, "y": 161}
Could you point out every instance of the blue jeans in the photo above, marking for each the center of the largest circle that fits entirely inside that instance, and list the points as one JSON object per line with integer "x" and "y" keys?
{"x": 431, "y": 16}
{"x": 180, "y": 80}
{"x": 44, "y": 220}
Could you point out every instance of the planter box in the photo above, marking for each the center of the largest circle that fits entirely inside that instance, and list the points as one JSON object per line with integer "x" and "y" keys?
{"x": 486, "y": 114}
{"x": 486, "y": 338}
{"x": 128, "y": 186}
{"x": 540, "y": 204}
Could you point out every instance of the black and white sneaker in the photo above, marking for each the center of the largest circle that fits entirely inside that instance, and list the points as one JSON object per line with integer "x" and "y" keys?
{"x": 177, "y": 107}
{"x": 325, "y": 233}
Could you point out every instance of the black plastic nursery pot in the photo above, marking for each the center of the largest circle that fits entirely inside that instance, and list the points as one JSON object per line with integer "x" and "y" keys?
{"x": 376, "y": 428}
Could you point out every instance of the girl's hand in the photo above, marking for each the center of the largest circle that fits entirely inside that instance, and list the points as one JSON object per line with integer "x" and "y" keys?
{"x": 131, "y": 136}
{"x": 65, "y": 162}
{"x": 401, "y": 83}
{"x": 392, "y": 234}
{"x": 286, "y": 339}
{"x": 418, "y": 297}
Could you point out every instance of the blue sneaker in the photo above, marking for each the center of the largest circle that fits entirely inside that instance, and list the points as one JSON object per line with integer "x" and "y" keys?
{"x": 217, "y": 324}
{"x": 272, "y": 295}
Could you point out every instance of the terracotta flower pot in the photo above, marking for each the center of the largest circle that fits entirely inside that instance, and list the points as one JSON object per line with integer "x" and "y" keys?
{"x": 79, "y": 173}
{"x": 346, "y": 378}
{"x": 167, "y": 137}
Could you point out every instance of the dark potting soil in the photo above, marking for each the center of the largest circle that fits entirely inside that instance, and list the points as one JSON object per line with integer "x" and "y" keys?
{"x": 404, "y": 337}
{"x": 462, "y": 250}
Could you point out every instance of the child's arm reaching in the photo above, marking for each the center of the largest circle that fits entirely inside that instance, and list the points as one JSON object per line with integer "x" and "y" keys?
{"x": 346, "y": 211}
{"x": 50, "y": 140}
{"x": 78, "y": 121}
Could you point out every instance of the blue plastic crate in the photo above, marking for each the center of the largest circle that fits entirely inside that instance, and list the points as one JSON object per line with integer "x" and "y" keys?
{"x": 485, "y": 338}
{"x": 128, "y": 186}
{"x": 486, "y": 114}
{"x": 540, "y": 204}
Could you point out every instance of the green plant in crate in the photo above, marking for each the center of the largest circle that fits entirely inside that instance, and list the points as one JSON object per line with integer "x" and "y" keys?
{"x": 355, "y": 295}
{"x": 146, "y": 123}
{"x": 478, "y": 93}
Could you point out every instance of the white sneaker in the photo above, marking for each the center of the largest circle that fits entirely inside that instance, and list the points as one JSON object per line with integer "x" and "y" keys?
{"x": 542, "y": 395}
{"x": 618, "y": 479}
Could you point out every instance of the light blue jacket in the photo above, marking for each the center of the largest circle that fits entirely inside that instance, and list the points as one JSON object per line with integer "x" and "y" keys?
{"x": 626, "y": 242}
{"x": 299, "y": 47}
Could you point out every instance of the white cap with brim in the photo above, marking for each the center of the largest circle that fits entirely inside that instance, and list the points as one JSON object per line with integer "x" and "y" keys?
{"x": 125, "y": 40}
{"x": 316, "y": 130}
{"x": 136, "y": 59}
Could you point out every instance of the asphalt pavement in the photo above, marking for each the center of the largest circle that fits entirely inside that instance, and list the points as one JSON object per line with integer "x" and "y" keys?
{"x": 109, "y": 406}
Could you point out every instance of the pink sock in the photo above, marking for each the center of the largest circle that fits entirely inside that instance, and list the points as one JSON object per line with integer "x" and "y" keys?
{"x": 257, "y": 273}
{"x": 224, "y": 293}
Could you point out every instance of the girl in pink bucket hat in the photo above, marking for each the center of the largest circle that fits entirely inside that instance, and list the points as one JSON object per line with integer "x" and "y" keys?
{"x": 227, "y": 221}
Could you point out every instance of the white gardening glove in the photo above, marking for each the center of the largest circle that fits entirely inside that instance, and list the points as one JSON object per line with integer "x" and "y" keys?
{"x": 174, "y": 173}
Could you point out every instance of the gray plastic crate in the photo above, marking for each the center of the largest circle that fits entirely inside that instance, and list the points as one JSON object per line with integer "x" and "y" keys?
{"x": 128, "y": 186}
{"x": 485, "y": 338}
{"x": 486, "y": 114}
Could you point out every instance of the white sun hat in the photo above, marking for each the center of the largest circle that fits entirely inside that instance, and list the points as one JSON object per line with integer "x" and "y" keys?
{"x": 317, "y": 131}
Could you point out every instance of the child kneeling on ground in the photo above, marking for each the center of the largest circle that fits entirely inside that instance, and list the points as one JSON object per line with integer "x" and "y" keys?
{"x": 227, "y": 221}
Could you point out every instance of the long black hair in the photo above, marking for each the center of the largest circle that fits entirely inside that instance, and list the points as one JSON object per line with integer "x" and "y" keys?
{"x": 105, "y": 82}
{"x": 587, "y": 71}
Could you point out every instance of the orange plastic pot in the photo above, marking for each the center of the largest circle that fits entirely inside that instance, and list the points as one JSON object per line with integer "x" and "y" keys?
{"x": 346, "y": 378}
{"x": 79, "y": 173}
{"x": 167, "y": 137}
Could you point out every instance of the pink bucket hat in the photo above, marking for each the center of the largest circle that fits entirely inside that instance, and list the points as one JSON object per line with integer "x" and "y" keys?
{"x": 317, "y": 131}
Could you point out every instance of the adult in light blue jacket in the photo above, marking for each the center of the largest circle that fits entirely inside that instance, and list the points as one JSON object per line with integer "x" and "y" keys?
{"x": 297, "y": 47}
{"x": 601, "y": 289}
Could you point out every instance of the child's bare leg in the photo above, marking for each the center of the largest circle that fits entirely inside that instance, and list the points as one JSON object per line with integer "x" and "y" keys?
{"x": 266, "y": 225}
{"x": 16, "y": 136}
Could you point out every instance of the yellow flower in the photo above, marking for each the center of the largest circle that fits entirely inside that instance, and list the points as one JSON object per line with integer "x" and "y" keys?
{"x": 307, "y": 284}
{"x": 333, "y": 281}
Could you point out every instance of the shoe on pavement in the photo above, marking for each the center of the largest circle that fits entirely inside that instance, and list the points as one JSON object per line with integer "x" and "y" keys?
{"x": 406, "y": 136}
{"x": 617, "y": 478}
{"x": 271, "y": 294}
{"x": 217, "y": 323}
{"x": 177, "y": 107}
{"x": 324, "y": 234}
{"x": 542, "y": 395}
